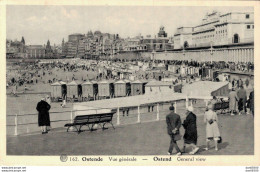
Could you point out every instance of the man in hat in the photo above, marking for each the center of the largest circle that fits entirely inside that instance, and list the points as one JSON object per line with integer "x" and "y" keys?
{"x": 190, "y": 136}
{"x": 242, "y": 97}
{"x": 173, "y": 122}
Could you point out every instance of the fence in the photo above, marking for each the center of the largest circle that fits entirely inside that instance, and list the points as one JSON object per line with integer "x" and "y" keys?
{"x": 28, "y": 123}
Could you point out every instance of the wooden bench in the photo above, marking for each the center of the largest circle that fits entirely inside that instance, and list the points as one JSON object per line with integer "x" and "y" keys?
{"x": 90, "y": 121}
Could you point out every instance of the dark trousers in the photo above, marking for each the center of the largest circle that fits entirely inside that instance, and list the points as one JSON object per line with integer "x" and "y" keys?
{"x": 242, "y": 105}
{"x": 173, "y": 144}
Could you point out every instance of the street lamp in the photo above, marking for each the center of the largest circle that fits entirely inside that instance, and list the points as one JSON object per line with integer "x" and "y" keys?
{"x": 211, "y": 52}
{"x": 183, "y": 52}
{"x": 153, "y": 54}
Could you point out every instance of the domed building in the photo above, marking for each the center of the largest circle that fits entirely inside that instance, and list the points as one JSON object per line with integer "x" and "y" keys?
{"x": 162, "y": 33}
{"x": 90, "y": 34}
{"x": 97, "y": 33}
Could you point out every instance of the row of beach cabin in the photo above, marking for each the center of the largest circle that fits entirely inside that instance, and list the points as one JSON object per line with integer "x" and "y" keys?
{"x": 92, "y": 90}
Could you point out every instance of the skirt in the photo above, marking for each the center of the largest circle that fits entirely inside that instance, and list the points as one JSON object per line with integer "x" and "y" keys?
{"x": 44, "y": 119}
{"x": 212, "y": 130}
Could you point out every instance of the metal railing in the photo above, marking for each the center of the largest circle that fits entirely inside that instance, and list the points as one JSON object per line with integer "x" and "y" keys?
{"x": 155, "y": 111}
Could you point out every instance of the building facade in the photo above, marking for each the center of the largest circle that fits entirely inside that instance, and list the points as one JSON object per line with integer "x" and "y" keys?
{"x": 216, "y": 29}
{"x": 73, "y": 44}
{"x": 35, "y": 51}
{"x": 160, "y": 43}
{"x": 15, "y": 49}
{"x": 183, "y": 37}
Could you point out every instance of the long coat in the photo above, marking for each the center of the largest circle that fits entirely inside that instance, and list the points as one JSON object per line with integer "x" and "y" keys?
{"x": 241, "y": 94}
{"x": 212, "y": 130}
{"x": 251, "y": 102}
{"x": 43, "y": 116}
{"x": 173, "y": 121}
{"x": 190, "y": 126}
{"x": 233, "y": 100}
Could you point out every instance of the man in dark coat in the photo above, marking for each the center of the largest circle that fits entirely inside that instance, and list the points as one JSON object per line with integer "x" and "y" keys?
{"x": 190, "y": 126}
{"x": 43, "y": 116}
{"x": 251, "y": 102}
{"x": 173, "y": 122}
{"x": 242, "y": 97}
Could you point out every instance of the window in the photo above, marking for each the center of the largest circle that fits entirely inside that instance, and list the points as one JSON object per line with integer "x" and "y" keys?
{"x": 248, "y": 26}
{"x": 253, "y": 26}
{"x": 247, "y": 16}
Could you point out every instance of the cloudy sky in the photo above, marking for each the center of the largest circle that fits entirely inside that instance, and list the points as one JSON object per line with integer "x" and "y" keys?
{"x": 39, "y": 23}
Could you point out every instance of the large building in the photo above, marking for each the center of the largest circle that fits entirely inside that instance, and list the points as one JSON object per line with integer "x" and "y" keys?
{"x": 15, "y": 48}
{"x": 160, "y": 43}
{"x": 35, "y": 51}
{"x": 183, "y": 37}
{"x": 92, "y": 45}
{"x": 216, "y": 29}
{"x": 134, "y": 45}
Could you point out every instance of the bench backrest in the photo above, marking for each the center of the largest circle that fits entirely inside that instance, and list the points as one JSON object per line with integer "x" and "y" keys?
{"x": 106, "y": 117}
{"x": 96, "y": 118}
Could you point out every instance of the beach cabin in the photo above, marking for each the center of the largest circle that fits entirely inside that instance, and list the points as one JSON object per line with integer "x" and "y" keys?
{"x": 137, "y": 87}
{"x": 89, "y": 90}
{"x": 177, "y": 88}
{"x": 159, "y": 87}
{"x": 122, "y": 88}
{"x": 158, "y": 76}
{"x": 172, "y": 68}
{"x": 74, "y": 91}
{"x": 58, "y": 89}
{"x": 105, "y": 89}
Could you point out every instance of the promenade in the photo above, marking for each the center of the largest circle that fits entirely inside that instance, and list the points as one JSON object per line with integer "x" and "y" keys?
{"x": 148, "y": 138}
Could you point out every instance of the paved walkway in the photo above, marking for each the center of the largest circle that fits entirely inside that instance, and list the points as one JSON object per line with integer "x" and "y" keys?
{"x": 138, "y": 139}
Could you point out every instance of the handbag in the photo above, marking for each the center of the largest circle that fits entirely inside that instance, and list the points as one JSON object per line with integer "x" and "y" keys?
{"x": 220, "y": 140}
{"x": 211, "y": 121}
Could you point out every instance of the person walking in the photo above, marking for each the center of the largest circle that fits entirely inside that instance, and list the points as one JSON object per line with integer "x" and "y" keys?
{"x": 212, "y": 130}
{"x": 190, "y": 135}
{"x": 63, "y": 105}
{"x": 43, "y": 115}
{"x": 247, "y": 82}
{"x": 240, "y": 82}
{"x": 242, "y": 97}
{"x": 173, "y": 122}
{"x": 232, "y": 101}
{"x": 251, "y": 102}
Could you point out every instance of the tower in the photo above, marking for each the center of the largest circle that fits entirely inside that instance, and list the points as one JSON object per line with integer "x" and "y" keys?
{"x": 23, "y": 41}
{"x": 48, "y": 47}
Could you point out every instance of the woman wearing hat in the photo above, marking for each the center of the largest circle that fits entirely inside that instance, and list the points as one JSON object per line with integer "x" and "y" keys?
{"x": 43, "y": 116}
{"x": 190, "y": 126}
{"x": 212, "y": 131}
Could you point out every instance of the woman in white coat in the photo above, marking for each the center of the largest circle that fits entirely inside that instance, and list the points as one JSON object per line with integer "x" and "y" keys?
{"x": 212, "y": 130}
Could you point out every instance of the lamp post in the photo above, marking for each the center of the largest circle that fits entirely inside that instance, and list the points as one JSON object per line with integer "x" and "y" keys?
{"x": 183, "y": 52}
{"x": 211, "y": 52}
{"x": 153, "y": 54}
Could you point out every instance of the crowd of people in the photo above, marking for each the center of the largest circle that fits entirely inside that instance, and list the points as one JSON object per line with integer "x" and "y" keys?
{"x": 232, "y": 66}
{"x": 239, "y": 103}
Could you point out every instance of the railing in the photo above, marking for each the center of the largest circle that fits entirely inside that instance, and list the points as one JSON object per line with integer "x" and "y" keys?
{"x": 155, "y": 112}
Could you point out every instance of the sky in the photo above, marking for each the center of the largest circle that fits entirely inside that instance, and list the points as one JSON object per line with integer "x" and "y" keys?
{"x": 41, "y": 23}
